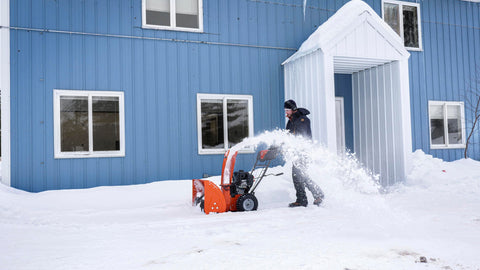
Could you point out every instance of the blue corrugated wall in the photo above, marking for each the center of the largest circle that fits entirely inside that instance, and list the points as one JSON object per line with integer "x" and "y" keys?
{"x": 446, "y": 69}
{"x": 161, "y": 72}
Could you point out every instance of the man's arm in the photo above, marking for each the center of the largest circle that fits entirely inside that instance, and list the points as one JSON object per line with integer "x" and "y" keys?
{"x": 303, "y": 128}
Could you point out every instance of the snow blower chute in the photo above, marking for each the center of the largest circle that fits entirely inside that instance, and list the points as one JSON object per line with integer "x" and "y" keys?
{"x": 237, "y": 189}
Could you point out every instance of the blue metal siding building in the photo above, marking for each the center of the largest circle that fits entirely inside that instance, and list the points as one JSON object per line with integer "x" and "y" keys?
{"x": 446, "y": 69}
{"x": 101, "y": 45}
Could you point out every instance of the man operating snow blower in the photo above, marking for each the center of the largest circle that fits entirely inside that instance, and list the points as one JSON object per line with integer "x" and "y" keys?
{"x": 299, "y": 125}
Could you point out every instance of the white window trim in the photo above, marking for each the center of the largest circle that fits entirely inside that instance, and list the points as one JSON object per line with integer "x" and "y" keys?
{"x": 249, "y": 99}
{"x": 401, "y": 4}
{"x": 445, "y": 125}
{"x": 173, "y": 19}
{"x": 90, "y": 153}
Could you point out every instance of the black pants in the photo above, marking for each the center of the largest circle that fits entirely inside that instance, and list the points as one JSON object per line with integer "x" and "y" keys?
{"x": 300, "y": 180}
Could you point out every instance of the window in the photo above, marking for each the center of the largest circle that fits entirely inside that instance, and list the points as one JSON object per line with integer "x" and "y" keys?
{"x": 223, "y": 121}
{"x": 182, "y": 15}
{"x": 404, "y": 18}
{"x": 447, "y": 124}
{"x": 88, "y": 124}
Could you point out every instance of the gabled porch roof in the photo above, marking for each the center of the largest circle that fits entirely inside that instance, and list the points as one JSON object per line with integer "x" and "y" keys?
{"x": 354, "y": 31}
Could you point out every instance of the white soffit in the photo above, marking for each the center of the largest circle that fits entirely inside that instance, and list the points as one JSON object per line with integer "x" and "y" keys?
{"x": 350, "y": 65}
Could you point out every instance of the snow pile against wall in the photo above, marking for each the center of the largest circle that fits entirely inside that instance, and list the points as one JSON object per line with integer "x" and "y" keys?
{"x": 435, "y": 174}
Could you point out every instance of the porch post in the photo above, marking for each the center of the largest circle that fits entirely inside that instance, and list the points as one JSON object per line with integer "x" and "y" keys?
{"x": 406, "y": 117}
{"x": 329, "y": 84}
{"x": 5, "y": 88}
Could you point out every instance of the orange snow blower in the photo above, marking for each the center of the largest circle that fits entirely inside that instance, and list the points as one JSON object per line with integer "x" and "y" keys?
{"x": 237, "y": 189}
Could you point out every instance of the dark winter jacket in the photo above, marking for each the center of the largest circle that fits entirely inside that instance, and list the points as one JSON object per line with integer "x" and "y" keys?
{"x": 299, "y": 124}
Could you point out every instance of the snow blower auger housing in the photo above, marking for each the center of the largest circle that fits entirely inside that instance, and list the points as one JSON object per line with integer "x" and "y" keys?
{"x": 237, "y": 189}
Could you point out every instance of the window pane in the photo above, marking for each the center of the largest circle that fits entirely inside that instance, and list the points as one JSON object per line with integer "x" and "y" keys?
{"x": 158, "y": 12}
{"x": 410, "y": 27}
{"x": 187, "y": 13}
{"x": 391, "y": 16}
{"x": 437, "y": 124}
{"x": 237, "y": 114}
{"x": 74, "y": 124}
{"x": 454, "y": 124}
{"x": 438, "y": 131}
{"x": 212, "y": 124}
{"x": 436, "y": 112}
{"x": 106, "y": 123}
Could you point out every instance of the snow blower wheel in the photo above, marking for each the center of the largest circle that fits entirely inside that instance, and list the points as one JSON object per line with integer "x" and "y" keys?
{"x": 247, "y": 202}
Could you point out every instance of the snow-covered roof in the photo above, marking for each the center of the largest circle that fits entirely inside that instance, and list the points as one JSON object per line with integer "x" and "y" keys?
{"x": 341, "y": 24}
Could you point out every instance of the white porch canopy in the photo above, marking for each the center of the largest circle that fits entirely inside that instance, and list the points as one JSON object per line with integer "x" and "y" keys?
{"x": 355, "y": 40}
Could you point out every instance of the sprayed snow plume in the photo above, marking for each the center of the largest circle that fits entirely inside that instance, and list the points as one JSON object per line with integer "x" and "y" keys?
{"x": 331, "y": 171}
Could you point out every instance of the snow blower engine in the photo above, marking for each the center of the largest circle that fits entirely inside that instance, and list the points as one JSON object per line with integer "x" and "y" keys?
{"x": 237, "y": 189}
{"x": 241, "y": 183}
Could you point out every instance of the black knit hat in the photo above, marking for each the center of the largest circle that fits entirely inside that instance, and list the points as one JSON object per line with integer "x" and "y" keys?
{"x": 290, "y": 104}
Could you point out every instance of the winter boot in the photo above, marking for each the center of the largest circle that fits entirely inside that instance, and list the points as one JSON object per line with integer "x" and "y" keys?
{"x": 318, "y": 201}
{"x": 297, "y": 204}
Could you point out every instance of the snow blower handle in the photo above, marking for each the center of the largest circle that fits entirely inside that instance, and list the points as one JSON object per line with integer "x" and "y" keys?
{"x": 267, "y": 155}
{"x": 273, "y": 174}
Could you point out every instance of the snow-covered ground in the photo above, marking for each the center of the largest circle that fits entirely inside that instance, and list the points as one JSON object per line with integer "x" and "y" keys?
{"x": 435, "y": 214}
